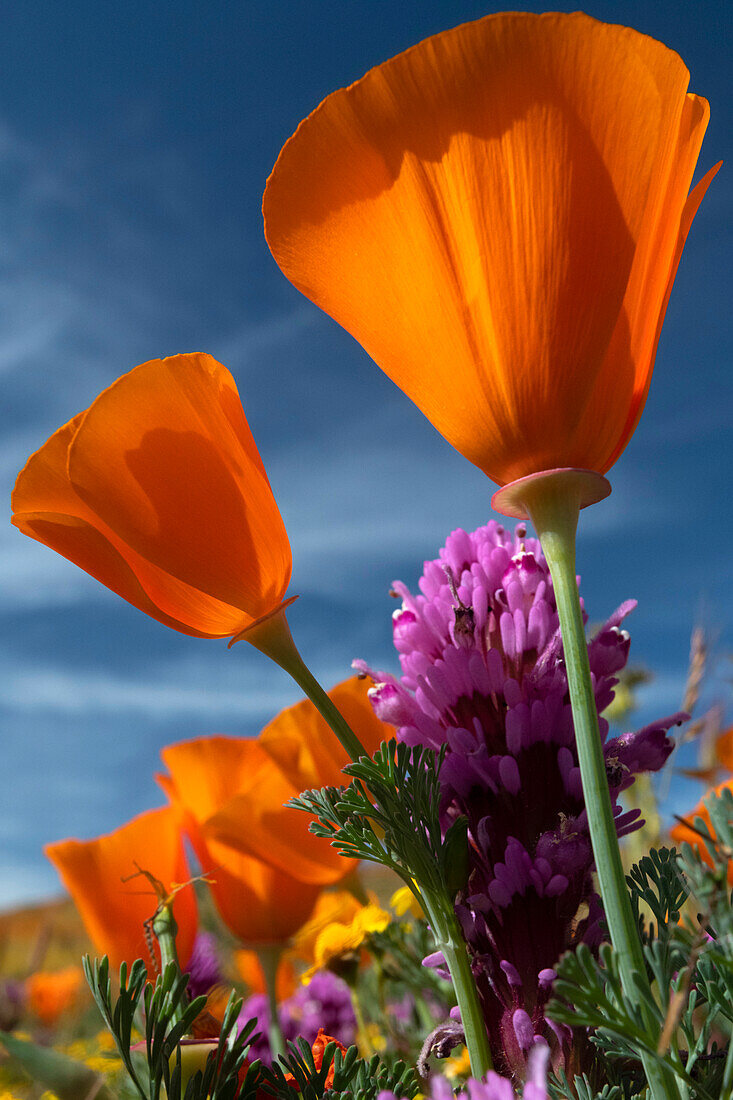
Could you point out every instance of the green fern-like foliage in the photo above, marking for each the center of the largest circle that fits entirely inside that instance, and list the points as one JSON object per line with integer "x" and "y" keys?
{"x": 657, "y": 882}
{"x": 689, "y": 962}
{"x": 155, "y": 1069}
{"x": 390, "y": 815}
{"x": 582, "y": 1089}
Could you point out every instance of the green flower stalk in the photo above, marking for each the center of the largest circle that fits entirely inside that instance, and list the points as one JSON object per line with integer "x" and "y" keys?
{"x": 269, "y": 958}
{"x": 273, "y": 638}
{"x": 390, "y": 815}
{"x": 553, "y": 500}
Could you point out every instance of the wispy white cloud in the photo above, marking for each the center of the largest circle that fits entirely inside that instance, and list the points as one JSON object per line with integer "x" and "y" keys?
{"x": 257, "y": 338}
{"x": 35, "y": 318}
{"x": 34, "y": 578}
{"x": 86, "y": 692}
{"x": 376, "y": 501}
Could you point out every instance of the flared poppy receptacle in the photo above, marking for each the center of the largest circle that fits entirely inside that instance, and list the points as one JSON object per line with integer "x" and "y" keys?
{"x": 585, "y": 486}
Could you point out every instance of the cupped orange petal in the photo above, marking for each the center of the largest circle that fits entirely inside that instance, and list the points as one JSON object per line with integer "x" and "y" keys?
{"x": 159, "y": 492}
{"x": 257, "y": 822}
{"x": 114, "y": 901}
{"x": 51, "y": 993}
{"x": 237, "y": 788}
{"x": 257, "y": 901}
{"x": 237, "y": 794}
{"x": 496, "y": 215}
{"x": 302, "y": 744}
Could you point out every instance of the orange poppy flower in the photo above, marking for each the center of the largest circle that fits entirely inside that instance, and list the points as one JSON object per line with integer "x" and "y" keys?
{"x": 258, "y": 903}
{"x": 301, "y": 742}
{"x": 682, "y": 833}
{"x": 53, "y": 993}
{"x": 293, "y": 753}
{"x": 113, "y": 901}
{"x": 159, "y": 492}
{"x": 497, "y": 215}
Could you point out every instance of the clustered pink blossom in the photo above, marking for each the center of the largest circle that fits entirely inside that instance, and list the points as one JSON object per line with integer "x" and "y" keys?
{"x": 483, "y": 673}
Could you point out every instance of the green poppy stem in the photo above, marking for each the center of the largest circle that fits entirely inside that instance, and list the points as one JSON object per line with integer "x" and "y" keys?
{"x": 269, "y": 957}
{"x": 450, "y": 942}
{"x": 166, "y": 930}
{"x": 363, "y": 1038}
{"x": 273, "y": 638}
{"x": 553, "y": 507}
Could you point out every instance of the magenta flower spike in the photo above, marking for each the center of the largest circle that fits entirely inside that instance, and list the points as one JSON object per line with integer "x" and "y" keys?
{"x": 482, "y": 671}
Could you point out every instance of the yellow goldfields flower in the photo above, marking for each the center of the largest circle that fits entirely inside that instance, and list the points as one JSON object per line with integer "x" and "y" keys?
{"x": 338, "y": 928}
{"x": 459, "y": 1066}
{"x": 403, "y": 901}
{"x": 335, "y": 906}
{"x": 375, "y": 1038}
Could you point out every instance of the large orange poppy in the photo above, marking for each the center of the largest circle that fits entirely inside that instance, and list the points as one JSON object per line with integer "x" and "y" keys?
{"x": 114, "y": 902}
{"x": 299, "y": 740}
{"x": 159, "y": 492}
{"x": 294, "y": 752}
{"x": 497, "y": 215}
{"x": 259, "y": 903}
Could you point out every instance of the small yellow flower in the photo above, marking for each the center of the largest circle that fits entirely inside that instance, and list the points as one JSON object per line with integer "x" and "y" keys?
{"x": 332, "y": 907}
{"x": 404, "y": 901}
{"x": 458, "y": 1066}
{"x": 374, "y": 1038}
{"x": 329, "y": 941}
{"x": 98, "y": 1052}
{"x": 371, "y": 919}
{"x": 104, "y": 1040}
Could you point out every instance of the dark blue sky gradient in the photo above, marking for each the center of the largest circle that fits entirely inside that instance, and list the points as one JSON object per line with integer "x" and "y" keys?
{"x": 135, "y": 141}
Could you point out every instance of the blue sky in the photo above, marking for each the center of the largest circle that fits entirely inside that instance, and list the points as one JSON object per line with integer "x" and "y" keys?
{"x": 135, "y": 141}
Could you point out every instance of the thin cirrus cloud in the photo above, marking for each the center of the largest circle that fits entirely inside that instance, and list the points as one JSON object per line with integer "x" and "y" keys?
{"x": 79, "y": 692}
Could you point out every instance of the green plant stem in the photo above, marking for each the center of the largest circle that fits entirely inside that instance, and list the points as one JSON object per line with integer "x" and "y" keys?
{"x": 166, "y": 930}
{"x": 450, "y": 942}
{"x": 273, "y": 638}
{"x": 269, "y": 957}
{"x": 363, "y": 1040}
{"x": 554, "y": 511}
